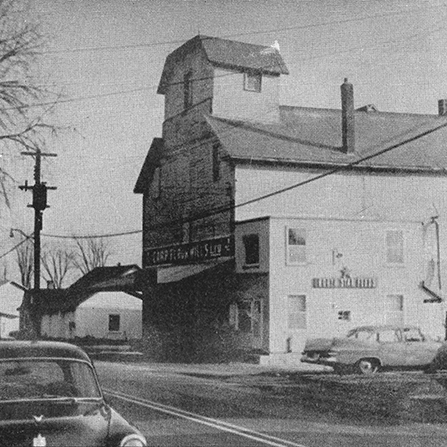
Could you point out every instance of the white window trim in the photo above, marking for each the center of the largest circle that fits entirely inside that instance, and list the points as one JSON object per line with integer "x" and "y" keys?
{"x": 385, "y": 245}
{"x": 305, "y": 312}
{"x": 288, "y": 262}
{"x": 246, "y": 77}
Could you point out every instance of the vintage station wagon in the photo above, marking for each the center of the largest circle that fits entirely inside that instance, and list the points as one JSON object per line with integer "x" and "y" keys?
{"x": 50, "y": 396}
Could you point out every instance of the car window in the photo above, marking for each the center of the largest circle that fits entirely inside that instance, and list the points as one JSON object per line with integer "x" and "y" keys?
{"x": 413, "y": 335}
{"x": 389, "y": 336}
{"x": 363, "y": 335}
{"x": 46, "y": 379}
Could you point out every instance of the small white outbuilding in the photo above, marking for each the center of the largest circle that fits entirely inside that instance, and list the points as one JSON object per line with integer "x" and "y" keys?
{"x": 104, "y": 315}
{"x": 11, "y": 297}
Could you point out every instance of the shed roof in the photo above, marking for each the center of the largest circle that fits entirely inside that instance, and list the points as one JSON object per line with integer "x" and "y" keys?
{"x": 101, "y": 279}
{"x": 226, "y": 53}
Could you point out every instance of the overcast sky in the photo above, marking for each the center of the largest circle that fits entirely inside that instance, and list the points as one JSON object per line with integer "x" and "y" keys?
{"x": 106, "y": 56}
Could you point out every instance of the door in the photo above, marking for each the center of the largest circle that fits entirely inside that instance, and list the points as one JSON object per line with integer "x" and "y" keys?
{"x": 418, "y": 350}
{"x": 392, "y": 349}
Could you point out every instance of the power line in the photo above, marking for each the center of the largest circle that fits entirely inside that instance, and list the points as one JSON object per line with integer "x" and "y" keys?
{"x": 92, "y": 236}
{"x": 249, "y": 33}
{"x": 302, "y": 183}
{"x": 140, "y": 89}
{"x": 257, "y": 199}
{"x": 27, "y": 238}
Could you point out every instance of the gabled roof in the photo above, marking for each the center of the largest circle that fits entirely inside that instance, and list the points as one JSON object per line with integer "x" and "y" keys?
{"x": 312, "y": 137}
{"x": 113, "y": 278}
{"x": 228, "y": 54}
{"x": 152, "y": 159}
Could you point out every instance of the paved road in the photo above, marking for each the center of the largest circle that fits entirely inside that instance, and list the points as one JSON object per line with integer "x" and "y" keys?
{"x": 177, "y": 409}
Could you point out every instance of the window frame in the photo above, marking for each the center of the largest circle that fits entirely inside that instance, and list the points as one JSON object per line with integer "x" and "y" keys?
{"x": 392, "y": 248}
{"x": 257, "y": 83}
{"x": 302, "y": 231}
{"x": 297, "y": 320}
{"x": 187, "y": 90}
{"x": 257, "y": 257}
{"x": 156, "y": 181}
{"x": 112, "y": 317}
{"x": 216, "y": 162}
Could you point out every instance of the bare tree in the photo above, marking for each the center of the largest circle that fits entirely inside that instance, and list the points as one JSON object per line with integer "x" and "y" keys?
{"x": 24, "y": 104}
{"x": 91, "y": 253}
{"x": 57, "y": 262}
{"x": 25, "y": 261}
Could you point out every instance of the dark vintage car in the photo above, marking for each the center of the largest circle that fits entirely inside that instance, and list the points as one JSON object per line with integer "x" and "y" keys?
{"x": 50, "y": 396}
{"x": 367, "y": 349}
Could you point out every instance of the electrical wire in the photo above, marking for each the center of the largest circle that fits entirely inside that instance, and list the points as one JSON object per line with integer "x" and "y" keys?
{"x": 27, "y": 238}
{"x": 92, "y": 236}
{"x": 302, "y": 183}
{"x": 140, "y": 89}
{"x": 249, "y": 33}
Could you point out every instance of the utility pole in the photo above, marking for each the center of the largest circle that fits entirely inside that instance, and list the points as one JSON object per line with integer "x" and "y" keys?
{"x": 39, "y": 204}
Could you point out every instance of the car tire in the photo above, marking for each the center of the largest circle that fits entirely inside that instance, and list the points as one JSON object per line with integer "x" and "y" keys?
{"x": 367, "y": 366}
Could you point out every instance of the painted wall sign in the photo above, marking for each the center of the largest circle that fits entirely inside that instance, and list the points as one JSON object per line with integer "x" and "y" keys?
{"x": 195, "y": 251}
{"x": 344, "y": 283}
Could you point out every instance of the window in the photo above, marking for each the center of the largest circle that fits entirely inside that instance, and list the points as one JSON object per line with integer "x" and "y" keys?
{"x": 344, "y": 315}
{"x": 251, "y": 246}
{"x": 240, "y": 316}
{"x": 187, "y": 90}
{"x": 114, "y": 323}
{"x": 413, "y": 335}
{"x": 157, "y": 182}
{"x": 296, "y": 311}
{"x": 389, "y": 336}
{"x": 216, "y": 163}
{"x": 394, "y": 247}
{"x": 394, "y": 309}
{"x": 233, "y": 316}
{"x": 252, "y": 82}
{"x": 296, "y": 246}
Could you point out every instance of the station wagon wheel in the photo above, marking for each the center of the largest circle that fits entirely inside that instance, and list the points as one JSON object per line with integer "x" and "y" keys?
{"x": 367, "y": 366}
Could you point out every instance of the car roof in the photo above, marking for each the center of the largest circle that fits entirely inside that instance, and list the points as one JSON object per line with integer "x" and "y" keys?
{"x": 383, "y": 327}
{"x": 40, "y": 349}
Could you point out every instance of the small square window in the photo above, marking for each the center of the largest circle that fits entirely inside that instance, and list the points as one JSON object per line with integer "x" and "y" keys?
{"x": 251, "y": 246}
{"x": 114, "y": 323}
{"x": 252, "y": 82}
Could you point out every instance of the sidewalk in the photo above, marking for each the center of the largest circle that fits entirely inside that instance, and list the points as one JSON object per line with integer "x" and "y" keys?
{"x": 227, "y": 369}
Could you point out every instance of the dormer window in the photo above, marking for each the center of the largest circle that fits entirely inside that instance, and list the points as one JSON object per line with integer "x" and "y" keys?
{"x": 187, "y": 90}
{"x": 252, "y": 82}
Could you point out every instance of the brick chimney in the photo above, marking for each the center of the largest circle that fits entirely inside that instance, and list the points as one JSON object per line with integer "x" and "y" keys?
{"x": 347, "y": 113}
{"x": 442, "y": 107}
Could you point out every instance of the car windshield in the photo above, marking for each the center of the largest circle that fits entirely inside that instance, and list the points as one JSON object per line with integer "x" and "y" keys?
{"x": 46, "y": 379}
